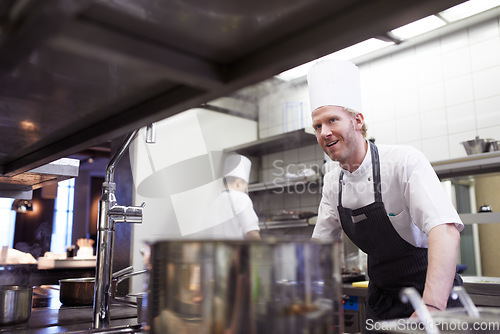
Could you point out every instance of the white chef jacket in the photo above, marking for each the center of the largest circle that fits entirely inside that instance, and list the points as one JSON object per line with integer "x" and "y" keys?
{"x": 413, "y": 196}
{"x": 231, "y": 216}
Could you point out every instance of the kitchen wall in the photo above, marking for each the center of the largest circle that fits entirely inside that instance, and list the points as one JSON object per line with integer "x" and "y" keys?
{"x": 431, "y": 96}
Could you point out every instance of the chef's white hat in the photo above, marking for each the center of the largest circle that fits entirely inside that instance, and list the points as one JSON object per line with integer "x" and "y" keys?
{"x": 336, "y": 83}
{"x": 238, "y": 166}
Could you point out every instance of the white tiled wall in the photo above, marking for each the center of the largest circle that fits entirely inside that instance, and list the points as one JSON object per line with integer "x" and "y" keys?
{"x": 432, "y": 96}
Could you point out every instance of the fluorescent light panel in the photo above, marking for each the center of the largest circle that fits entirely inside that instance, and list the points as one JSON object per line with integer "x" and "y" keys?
{"x": 348, "y": 53}
{"x": 418, "y": 27}
{"x": 410, "y": 30}
{"x": 468, "y": 8}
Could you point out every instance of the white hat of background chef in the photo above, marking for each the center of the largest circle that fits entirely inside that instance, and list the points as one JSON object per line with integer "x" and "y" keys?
{"x": 238, "y": 166}
{"x": 336, "y": 83}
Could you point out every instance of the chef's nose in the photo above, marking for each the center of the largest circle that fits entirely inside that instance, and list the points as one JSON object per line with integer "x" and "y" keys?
{"x": 325, "y": 131}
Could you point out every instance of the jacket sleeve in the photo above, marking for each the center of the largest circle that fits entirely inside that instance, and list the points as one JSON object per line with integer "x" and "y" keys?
{"x": 328, "y": 225}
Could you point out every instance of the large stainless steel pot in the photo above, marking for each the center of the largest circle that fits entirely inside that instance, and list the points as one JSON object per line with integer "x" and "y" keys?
{"x": 80, "y": 291}
{"x": 271, "y": 286}
{"x": 15, "y": 303}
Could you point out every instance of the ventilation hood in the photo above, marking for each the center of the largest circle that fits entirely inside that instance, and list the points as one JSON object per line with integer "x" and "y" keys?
{"x": 22, "y": 185}
{"x": 77, "y": 73}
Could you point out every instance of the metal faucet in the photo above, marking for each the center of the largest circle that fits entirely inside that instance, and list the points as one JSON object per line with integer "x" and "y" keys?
{"x": 111, "y": 213}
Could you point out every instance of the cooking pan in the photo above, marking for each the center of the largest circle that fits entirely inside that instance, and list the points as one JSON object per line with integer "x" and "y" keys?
{"x": 80, "y": 291}
{"x": 15, "y": 303}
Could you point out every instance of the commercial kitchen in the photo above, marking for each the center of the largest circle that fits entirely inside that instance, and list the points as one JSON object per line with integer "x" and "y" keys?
{"x": 116, "y": 116}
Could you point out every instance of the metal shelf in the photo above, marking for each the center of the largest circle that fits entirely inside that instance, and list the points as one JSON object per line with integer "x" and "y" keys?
{"x": 470, "y": 165}
{"x": 22, "y": 185}
{"x": 268, "y": 186}
{"x": 480, "y": 218}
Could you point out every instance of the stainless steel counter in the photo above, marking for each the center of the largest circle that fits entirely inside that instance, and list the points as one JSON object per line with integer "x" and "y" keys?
{"x": 49, "y": 316}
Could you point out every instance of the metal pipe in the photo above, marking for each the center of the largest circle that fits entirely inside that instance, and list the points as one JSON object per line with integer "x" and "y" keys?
{"x": 110, "y": 213}
{"x": 110, "y": 170}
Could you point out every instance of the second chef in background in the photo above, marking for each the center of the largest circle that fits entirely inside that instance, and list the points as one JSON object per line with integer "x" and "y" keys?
{"x": 387, "y": 199}
{"x": 231, "y": 214}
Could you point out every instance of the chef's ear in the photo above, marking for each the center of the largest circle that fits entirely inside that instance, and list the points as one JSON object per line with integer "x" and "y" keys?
{"x": 359, "y": 120}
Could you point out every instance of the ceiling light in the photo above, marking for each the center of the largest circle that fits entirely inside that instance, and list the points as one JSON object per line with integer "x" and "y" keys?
{"x": 348, "y": 53}
{"x": 418, "y": 27}
{"x": 21, "y": 205}
{"x": 467, "y": 9}
{"x": 360, "y": 49}
{"x": 296, "y": 72}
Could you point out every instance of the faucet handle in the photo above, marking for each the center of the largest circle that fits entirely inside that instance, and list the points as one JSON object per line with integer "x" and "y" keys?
{"x": 126, "y": 214}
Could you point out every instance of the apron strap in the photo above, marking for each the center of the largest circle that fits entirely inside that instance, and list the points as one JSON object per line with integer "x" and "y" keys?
{"x": 377, "y": 188}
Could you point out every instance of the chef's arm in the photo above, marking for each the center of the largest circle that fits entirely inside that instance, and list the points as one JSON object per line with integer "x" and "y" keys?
{"x": 252, "y": 235}
{"x": 443, "y": 243}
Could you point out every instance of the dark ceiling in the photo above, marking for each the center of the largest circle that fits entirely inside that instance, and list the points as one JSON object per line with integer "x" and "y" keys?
{"x": 78, "y": 73}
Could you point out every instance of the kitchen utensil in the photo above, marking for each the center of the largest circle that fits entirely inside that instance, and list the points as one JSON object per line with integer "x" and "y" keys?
{"x": 482, "y": 285}
{"x": 80, "y": 291}
{"x": 121, "y": 272}
{"x": 245, "y": 286}
{"x": 15, "y": 303}
{"x": 485, "y": 208}
{"x": 476, "y": 146}
{"x": 495, "y": 145}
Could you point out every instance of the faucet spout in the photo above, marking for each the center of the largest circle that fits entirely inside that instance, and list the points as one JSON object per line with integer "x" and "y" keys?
{"x": 110, "y": 213}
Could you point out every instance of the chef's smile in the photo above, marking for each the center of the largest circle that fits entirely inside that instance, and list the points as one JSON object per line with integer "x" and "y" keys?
{"x": 330, "y": 144}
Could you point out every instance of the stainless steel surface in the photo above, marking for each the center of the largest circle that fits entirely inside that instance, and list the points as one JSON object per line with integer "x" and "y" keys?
{"x": 411, "y": 295}
{"x": 121, "y": 272}
{"x": 78, "y": 73}
{"x": 22, "y": 185}
{"x": 15, "y": 304}
{"x": 468, "y": 304}
{"x": 267, "y": 286}
{"x": 466, "y": 320}
{"x": 72, "y": 319}
{"x": 110, "y": 213}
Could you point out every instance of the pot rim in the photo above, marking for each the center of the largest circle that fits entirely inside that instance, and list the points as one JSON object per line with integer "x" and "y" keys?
{"x": 78, "y": 280}
{"x": 15, "y": 287}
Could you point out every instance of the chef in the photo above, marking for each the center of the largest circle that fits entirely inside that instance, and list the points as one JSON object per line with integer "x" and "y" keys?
{"x": 231, "y": 214}
{"x": 387, "y": 199}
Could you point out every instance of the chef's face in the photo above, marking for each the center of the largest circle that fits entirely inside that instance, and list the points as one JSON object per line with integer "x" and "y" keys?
{"x": 338, "y": 132}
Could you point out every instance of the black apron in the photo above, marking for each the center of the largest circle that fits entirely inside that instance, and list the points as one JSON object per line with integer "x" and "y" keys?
{"x": 393, "y": 263}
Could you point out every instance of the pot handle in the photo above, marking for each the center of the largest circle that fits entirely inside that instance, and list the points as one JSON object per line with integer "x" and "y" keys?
{"x": 125, "y": 276}
{"x": 120, "y": 273}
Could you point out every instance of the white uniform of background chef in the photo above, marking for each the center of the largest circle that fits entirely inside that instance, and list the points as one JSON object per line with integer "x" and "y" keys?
{"x": 412, "y": 212}
{"x": 231, "y": 213}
